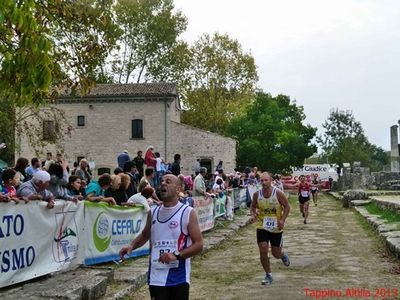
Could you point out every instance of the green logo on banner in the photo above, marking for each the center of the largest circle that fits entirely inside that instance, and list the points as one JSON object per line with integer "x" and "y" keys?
{"x": 101, "y": 232}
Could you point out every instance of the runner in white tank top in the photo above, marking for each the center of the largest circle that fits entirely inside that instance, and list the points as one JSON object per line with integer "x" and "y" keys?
{"x": 174, "y": 234}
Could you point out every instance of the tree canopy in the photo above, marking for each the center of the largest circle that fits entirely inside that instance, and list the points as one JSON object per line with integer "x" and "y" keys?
{"x": 271, "y": 134}
{"x": 344, "y": 141}
{"x": 220, "y": 82}
{"x": 45, "y": 46}
{"x": 149, "y": 48}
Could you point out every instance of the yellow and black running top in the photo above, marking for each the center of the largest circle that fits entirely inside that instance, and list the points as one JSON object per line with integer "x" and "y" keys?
{"x": 269, "y": 211}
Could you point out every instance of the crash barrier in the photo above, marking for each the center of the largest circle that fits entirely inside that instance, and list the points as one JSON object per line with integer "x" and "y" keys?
{"x": 35, "y": 241}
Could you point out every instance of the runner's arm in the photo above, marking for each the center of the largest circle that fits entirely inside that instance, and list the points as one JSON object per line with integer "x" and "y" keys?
{"x": 196, "y": 237}
{"x": 254, "y": 207}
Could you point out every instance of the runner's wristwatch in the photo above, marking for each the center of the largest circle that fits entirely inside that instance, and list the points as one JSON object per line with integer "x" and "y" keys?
{"x": 177, "y": 254}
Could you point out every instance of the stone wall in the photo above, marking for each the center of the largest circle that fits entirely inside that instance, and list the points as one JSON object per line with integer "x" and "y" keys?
{"x": 193, "y": 143}
{"x": 376, "y": 180}
{"x": 107, "y": 131}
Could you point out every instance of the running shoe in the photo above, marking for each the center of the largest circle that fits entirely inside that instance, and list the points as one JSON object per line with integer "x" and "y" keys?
{"x": 305, "y": 221}
{"x": 267, "y": 279}
{"x": 285, "y": 260}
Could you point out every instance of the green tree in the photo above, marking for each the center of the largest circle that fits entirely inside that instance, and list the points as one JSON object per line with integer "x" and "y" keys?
{"x": 220, "y": 82}
{"x": 344, "y": 141}
{"x": 46, "y": 46}
{"x": 149, "y": 46}
{"x": 271, "y": 134}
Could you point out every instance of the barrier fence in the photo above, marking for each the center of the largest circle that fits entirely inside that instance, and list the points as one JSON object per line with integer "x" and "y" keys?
{"x": 35, "y": 241}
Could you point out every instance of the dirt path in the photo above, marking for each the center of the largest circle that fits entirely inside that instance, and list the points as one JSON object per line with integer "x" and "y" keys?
{"x": 336, "y": 251}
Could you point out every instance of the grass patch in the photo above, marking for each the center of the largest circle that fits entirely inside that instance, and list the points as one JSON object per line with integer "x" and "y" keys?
{"x": 388, "y": 215}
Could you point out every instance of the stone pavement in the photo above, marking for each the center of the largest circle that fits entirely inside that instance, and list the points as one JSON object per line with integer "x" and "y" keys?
{"x": 108, "y": 281}
{"x": 336, "y": 252}
{"x": 389, "y": 232}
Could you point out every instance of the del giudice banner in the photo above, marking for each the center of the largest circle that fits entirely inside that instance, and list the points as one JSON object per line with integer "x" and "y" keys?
{"x": 109, "y": 228}
{"x": 35, "y": 241}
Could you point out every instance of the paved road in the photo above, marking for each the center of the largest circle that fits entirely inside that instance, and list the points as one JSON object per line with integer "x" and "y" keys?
{"x": 336, "y": 251}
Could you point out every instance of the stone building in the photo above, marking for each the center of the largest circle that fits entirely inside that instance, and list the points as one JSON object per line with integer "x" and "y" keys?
{"x": 115, "y": 117}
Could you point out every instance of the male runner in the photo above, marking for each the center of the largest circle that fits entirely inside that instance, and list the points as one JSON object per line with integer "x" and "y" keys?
{"x": 269, "y": 208}
{"x": 304, "y": 196}
{"x": 174, "y": 234}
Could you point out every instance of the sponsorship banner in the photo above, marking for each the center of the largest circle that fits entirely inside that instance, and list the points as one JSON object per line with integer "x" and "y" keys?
{"x": 219, "y": 205}
{"x": 35, "y": 241}
{"x": 243, "y": 196}
{"x": 204, "y": 208}
{"x": 324, "y": 171}
{"x": 109, "y": 228}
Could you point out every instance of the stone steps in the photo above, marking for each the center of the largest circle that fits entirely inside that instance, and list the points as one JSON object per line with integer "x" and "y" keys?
{"x": 82, "y": 283}
{"x": 390, "y": 232}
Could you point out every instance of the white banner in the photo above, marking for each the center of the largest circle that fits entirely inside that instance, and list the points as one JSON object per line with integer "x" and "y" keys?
{"x": 252, "y": 188}
{"x": 204, "y": 208}
{"x": 324, "y": 171}
{"x": 109, "y": 228}
{"x": 35, "y": 241}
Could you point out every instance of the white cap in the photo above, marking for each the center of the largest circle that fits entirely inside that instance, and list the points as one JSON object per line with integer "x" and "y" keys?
{"x": 42, "y": 176}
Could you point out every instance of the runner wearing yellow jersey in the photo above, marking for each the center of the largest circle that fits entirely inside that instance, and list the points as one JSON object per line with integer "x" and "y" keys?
{"x": 269, "y": 208}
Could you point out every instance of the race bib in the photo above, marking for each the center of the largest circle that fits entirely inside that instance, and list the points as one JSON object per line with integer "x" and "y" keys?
{"x": 161, "y": 247}
{"x": 304, "y": 193}
{"x": 270, "y": 223}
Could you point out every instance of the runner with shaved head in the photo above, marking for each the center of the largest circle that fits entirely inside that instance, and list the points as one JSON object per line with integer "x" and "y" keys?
{"x": 269, "y": 208}
{"x": 174, "y": 234}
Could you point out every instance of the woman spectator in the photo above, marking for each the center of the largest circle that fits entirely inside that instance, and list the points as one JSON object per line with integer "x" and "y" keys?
{"x": 149, "y": 158}
{"x": 10, "y": 179}
{"x": 218, "y": 186}
{"x": 131, "y": 170}
{"x": 20, "y": 166}
{"x": 75, "y": 186}
{"x": 84, "y": 171}
{"x": 59, "y": 180}
{"x": 123, "y": 189}
{"x": 117, "y": 190}
{"x": 95, "y": 190}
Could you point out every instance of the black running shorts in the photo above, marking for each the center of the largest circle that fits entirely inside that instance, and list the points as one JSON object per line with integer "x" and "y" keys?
{"x": 303, "y": 200}
{"x": 180, "y": 291}
{"x": 275, "y": 239}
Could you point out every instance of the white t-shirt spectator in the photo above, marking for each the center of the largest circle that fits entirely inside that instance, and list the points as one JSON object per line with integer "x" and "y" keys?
{"x": 140, "y": 199}
{"x": 217, "y": 187}
{"x": 158, "y": 164}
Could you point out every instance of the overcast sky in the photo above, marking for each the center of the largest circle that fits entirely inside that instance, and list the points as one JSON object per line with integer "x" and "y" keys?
{"x": 324, "y": 54}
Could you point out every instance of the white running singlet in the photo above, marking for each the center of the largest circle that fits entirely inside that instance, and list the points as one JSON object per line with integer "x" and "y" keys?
{"x": 169, "y": 233}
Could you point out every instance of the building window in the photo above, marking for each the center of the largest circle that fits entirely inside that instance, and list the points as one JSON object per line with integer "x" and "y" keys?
{"x": 137, "y": 129}
{"x": 49, "y": 131}
{"x": 81, "y": 121}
